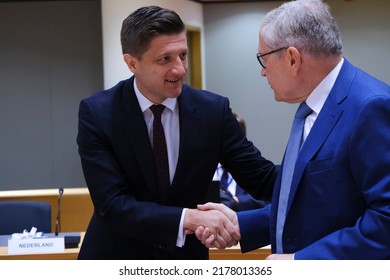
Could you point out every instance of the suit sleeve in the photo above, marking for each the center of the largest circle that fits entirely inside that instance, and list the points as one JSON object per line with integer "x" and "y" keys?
{"x": 254, "y": 228}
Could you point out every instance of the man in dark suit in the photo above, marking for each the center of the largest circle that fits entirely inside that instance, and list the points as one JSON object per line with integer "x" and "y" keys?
{"x": 337, "y": 203}
{"x": 133, "y": 218}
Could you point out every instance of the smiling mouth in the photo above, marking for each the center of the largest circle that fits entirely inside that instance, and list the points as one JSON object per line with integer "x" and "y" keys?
{"x": 173, "y": 81}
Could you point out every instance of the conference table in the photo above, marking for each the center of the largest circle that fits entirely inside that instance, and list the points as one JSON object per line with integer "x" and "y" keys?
{"x": 233, "y": 253}
{"x": 76, "y": 211}
{"x": 68, "y": 254}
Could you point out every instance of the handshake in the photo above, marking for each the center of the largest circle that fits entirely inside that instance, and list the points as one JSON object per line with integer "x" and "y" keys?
{"x": 214, "y": 224}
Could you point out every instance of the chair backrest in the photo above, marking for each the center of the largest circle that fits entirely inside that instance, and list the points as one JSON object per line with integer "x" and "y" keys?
{"x": 16, "y": 216}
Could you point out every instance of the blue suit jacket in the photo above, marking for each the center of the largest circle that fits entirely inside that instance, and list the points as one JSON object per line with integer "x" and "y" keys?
{"x": 118, "y": 165}
{"x": 339, "y": 204}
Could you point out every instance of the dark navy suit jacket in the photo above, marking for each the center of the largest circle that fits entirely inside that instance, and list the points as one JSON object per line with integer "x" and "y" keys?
{"x": 246, "y": 201}
{"x": 339, "y": 204}
{"x": 117, "y": 161}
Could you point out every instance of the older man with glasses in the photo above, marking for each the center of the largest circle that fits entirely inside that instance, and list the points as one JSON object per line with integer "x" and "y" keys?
{"x": 331, "y": 199}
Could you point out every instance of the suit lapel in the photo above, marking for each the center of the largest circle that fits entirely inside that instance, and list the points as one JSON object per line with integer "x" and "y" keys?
{"x": 189, "y": 128}
{"x": 132, "y": 122}
{"x": 324, "y": 124}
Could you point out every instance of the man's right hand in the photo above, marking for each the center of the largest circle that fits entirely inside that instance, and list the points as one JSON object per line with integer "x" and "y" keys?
{"x": 217, "y": 225}
{"x": 206, "y": 234}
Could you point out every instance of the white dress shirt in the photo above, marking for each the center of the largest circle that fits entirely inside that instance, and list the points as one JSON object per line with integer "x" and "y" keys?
{"x": 317, "y": 98}
{"x": 170, "y": 122}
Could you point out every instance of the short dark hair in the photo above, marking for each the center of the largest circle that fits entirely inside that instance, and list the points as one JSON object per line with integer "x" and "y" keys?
{"x": 146, "y": 23}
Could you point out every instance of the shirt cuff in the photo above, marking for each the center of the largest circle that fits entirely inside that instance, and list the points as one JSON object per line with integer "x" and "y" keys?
{"x": 181, "y": 237}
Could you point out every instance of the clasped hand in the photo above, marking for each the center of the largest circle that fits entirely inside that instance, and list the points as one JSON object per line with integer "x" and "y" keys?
{"x": 215, "y": 225}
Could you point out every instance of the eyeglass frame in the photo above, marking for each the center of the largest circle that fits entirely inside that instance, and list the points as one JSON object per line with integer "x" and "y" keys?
{"x": 259, "y": 55}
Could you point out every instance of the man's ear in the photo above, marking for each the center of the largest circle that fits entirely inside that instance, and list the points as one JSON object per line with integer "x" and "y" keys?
{"x": 295, "y": 58}
{"x": 131, "y": 62}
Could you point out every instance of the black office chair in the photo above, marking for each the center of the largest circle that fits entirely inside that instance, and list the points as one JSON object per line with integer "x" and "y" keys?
{"x": 16, "y": 216}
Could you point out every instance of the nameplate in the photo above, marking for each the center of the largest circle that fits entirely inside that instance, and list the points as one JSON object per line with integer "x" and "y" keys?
{"x": 36, "y": 246}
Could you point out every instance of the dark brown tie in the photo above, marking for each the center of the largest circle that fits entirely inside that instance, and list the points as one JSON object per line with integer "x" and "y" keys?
{"x": 160, "y": 153}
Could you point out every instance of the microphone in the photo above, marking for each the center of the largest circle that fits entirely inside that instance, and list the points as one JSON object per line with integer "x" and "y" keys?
{"x": 61, "y": 191}
{"x": 71, "y": 240}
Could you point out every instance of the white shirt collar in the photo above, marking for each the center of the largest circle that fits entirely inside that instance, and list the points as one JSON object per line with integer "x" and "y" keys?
{"x": 145, "y": 103}
{"x": 319, "y": 95}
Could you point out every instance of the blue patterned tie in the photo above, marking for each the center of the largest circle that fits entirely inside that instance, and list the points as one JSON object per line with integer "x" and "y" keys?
{"x": 292, "y": 151}
{"x": 160, "y": 153}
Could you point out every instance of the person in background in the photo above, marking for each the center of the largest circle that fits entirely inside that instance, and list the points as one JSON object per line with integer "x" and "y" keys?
{"x": 335, "y": 204}
{"x": 231, "y": 194}
{"x": 149, "y": 147}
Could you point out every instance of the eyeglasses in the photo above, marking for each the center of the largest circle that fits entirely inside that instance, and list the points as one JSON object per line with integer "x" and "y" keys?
{"x": 260, "y": 56}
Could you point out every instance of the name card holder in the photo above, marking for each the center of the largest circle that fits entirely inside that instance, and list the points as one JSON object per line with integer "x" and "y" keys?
{"x": 42, "y": 245}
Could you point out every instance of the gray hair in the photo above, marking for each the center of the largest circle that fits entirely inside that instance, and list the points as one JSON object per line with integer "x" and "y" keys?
{"x": 304, "y": 24}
